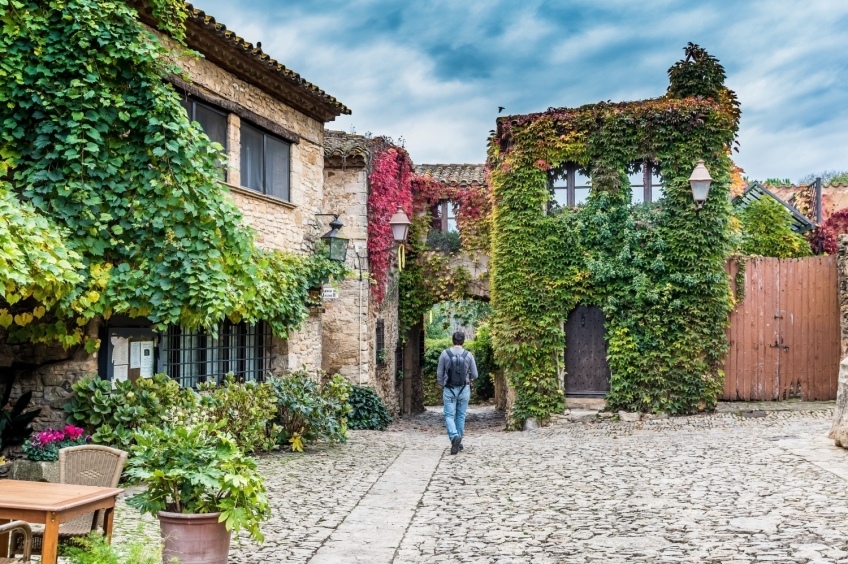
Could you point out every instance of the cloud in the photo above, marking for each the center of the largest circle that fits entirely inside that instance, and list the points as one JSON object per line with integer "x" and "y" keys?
{"x": 435, "y": 72}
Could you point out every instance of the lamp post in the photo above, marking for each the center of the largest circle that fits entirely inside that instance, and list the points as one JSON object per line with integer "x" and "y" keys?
{"x": 400, "y": 225}
{"x": 700, "y": 182}
{"x": 336, "y": 245}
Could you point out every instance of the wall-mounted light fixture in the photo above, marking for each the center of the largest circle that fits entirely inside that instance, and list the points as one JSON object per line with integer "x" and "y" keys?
{"x": 700, "y": 182}
{"x": 400, "y": 225}
{"x": 336, "y": 245}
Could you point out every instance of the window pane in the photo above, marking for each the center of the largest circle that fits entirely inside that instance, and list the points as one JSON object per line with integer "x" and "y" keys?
{"x": 581, "y": 180}
{"x": 186, "y": 104}
{"x": 214, "y": 123}
{"x": 277, "y": 167}
{"x": 561, "y": 196}
{"x": 581, "y": 195}
{"x": 251, "y": 158}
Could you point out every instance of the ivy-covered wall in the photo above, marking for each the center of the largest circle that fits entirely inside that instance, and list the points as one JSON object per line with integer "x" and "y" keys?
{"x": 656, "y": 270}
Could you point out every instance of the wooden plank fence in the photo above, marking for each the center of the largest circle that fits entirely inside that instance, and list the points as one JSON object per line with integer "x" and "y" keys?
{"x": 784, "y": 335}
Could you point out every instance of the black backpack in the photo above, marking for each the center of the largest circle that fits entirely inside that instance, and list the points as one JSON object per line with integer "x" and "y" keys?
{"x": 457, "y": 369}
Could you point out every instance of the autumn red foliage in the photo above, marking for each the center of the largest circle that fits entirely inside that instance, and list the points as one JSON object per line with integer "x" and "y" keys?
{"x": 390, "y": 180}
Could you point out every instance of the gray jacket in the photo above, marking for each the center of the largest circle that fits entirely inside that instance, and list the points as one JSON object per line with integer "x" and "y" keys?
{"x": 444, "y": 362}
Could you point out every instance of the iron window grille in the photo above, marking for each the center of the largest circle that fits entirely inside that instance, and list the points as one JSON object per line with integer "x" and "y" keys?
{"x": 381, "y": 342}
{"x": 193, "y": 356}
{"x": 212, "y": 120}
{"x": 265, "y": 163}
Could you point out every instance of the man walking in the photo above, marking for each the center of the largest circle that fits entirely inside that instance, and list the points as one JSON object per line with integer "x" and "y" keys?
{"x": 456, "y": 371}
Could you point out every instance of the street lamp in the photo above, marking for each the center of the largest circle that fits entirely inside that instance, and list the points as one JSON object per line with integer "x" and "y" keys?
{"x": 400, "y": 225}
{"x": 700, "y": 182}
{"x": 336, "y": 246}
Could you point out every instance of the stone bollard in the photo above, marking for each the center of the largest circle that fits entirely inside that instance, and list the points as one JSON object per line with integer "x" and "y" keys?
{"x": 839, "y": 430}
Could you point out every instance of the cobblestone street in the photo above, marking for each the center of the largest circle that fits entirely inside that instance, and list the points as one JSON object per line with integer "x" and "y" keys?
{"x": 711, "y": 488}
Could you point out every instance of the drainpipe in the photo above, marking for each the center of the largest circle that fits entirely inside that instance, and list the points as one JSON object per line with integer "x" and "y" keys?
{"x": 356, "y": 249}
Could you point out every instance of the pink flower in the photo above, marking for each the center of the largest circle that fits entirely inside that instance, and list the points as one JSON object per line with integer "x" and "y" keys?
{"x": 73, "y": 433}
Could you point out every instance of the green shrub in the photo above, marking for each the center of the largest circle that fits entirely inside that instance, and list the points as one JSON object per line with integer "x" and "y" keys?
{"x": 95, "y": 549}
{"x": 247, "y": 410}
{"x": 111, "y": 415}
{"x": 367, "y": 410}
{"x": 484, "y": 356}
{"x": 767, "y": 231}
{"x": 308, "y": 411}
{"x": 197, "y": 469}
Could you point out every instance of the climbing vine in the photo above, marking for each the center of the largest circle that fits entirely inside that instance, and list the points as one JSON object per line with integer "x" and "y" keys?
{"x": 391, "y": 173}
{"x": 94, "y": 140}
{"x": 657, "y": 271}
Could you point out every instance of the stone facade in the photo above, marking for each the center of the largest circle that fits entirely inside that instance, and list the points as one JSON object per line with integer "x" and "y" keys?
{"x": 238, "y": 82}
{"x": 350, "y": 320}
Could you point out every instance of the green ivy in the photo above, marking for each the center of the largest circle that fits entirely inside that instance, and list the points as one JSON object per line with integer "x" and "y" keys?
{"x": 96, "y": 141}
{"x": 658, "y": 272}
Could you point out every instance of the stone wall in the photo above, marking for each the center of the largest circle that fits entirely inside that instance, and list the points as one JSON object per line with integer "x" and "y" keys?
{"x": 350, "y": 320}
{"x": 842, "y": 277}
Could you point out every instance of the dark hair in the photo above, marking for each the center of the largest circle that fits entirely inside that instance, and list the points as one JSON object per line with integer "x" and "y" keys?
{"x": 458, "y": 338}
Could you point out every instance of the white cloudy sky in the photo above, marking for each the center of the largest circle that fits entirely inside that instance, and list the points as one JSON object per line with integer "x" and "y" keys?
{"x": 434, "y": 72}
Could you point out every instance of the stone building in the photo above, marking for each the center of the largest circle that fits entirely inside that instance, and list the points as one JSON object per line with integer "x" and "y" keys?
{"x": 360, "y": 338}
{"x": 271, "y": 123}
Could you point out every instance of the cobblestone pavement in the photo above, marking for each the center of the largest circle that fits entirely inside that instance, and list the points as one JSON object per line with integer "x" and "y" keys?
{"x": 709, "y": 488}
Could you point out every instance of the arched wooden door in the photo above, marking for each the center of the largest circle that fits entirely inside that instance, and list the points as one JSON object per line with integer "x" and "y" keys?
{"x": 586, "y": 366}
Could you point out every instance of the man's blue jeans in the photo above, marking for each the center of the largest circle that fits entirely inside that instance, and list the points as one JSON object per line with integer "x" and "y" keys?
{"x": 456, "y": 404}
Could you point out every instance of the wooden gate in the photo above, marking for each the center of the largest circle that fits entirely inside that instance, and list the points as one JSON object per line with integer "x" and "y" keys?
{"x": 586, "y": 366}
{"x": 784, "y": 335}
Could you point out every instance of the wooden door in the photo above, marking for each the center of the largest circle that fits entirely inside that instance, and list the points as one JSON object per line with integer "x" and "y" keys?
{"x": 784, "y": 334}
{"x": 586, "y": 366}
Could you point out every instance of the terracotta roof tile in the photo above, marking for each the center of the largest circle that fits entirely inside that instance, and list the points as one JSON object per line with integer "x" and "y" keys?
{"x": 346, "y": 145}
{"x": 457, "y": 174}
{"x": 209, "y": 22}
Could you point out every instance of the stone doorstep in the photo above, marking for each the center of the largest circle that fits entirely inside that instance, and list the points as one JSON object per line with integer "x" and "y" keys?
{"x": 593, "y": 404}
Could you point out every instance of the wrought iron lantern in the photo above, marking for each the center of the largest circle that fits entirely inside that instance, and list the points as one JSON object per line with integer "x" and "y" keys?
{"x": 400, "y": 225}
{"x": 336, "y": 246}
{"x": 700, "y": 182}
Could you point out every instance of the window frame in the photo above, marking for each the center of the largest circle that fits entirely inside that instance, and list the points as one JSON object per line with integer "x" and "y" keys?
{"x": 265, "y": 135}
{"x": 174, "y": 351}
{"x": 568, "y": 173}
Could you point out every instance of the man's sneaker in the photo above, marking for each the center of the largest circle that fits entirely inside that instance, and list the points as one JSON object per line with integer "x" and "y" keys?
{"x": 461, "y": 448}
{"x": 456, "y": 444}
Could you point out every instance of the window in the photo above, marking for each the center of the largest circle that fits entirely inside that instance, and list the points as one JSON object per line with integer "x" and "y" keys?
{"x": 646, "y": 183}
{"x": 381, "y": 342}
{"x": 192, "y": 356}
{"x": 212, "y": 120}
{"x": 444, "y": 217}
{"x": 265, "y": 162}
{"x": 569, "y": 187}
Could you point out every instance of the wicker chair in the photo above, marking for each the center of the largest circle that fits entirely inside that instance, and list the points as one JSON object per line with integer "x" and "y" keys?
{"x": 26, "y": 540}
{"x": 86, "y": 465}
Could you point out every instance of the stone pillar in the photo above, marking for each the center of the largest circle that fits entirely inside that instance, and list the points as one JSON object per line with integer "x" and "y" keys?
{"x": 233, "y": 149}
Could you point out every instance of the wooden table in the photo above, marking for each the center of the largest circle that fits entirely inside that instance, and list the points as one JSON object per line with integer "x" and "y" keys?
{"x": 52, "y": 504}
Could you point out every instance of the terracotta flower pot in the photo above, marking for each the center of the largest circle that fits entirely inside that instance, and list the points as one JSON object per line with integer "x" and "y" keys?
{"x": 194, "y": 538}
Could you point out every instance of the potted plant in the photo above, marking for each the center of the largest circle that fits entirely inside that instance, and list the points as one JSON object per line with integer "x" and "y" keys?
{"x": 201, "y": 487}
{"x": 42, "y": 452}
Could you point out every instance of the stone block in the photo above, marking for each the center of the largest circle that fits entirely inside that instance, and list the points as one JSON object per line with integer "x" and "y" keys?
{"x": 629, "y": 417}
{"x": 35, "y": 471}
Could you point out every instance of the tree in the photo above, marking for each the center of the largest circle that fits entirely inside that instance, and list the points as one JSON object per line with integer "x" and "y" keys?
{"x": 767, "y": 231}
{"x": 827, "y": 176}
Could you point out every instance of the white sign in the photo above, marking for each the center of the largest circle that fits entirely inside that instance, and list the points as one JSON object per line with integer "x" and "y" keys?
{"x": 135, "y": 354}
{"x": 146, "y": 363}
{"x": 329, "y": 293}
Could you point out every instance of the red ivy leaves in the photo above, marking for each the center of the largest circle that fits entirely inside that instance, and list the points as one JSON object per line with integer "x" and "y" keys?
{"x": 474, "y": 207}
{"x": 390, "y": 180}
